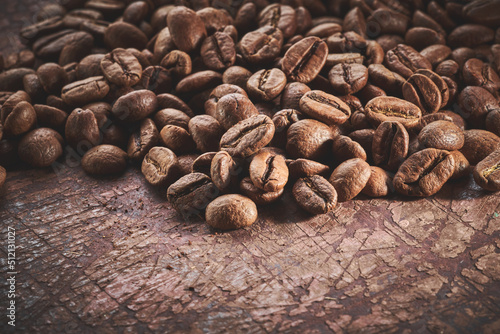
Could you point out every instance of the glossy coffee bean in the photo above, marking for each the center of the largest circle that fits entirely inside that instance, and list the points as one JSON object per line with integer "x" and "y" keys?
{"x": 20, "y": 120}
{"x": 121, "y": 67}
{"x": 388, "y": 108}
{"x": 171, "y": 116}
{"x": 478, "y": 144}
{"x": 266, "y": 84}
{"x": 199, "y": 81}
{"x": 421, "y": 91}
{"x": 135, "y": 105}
{"x": 315, "y": 194}
{"x": 262, "y": 45}
{"x": 487, "y": 172}
{"x": 303, "y": 167}
{"x": 348, "y": 78}
{"x": 442, "y": 135}
{"x": 291, "y": 95}
{"x": 304, "y": 60}
{"x": 141, "y": 141}
{"x": 224, "y": 171}
{"x": 477, "y": 73}
{"x": 159, "y": 166}
{"x": 324, "y": 107}
{"x": 475, "y": 103}
{"x": 231, "y": 211}
{"x": 217, "y": 93}
{"x": 236, "y": 75}
{"x": 349, "y": 178}
{"x": 40, "y": 147}
{"x": 279, "y": 16}
{"x": 218, "y": 51}
{"x": 405, "y": 60}
{"x": 379, "y": 184}
{"x": 187, "y": 28}
{"x": 82, "y": 130}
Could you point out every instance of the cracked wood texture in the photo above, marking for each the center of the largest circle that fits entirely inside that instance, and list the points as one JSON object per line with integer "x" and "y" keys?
{"x": 110, "y": 255}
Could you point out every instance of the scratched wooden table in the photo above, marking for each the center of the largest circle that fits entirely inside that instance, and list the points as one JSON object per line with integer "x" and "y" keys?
{"x": 110, "y": 255}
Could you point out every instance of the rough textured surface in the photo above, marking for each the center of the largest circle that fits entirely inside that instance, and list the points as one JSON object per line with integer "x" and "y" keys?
{"x": 110, "y": 255}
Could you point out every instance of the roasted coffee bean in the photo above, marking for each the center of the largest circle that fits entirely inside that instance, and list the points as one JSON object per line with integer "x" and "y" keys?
{"x": 442, "y": 135}
{"x": 348, "y": 78}
{"x": 315, "y": 194}
{"x": 324, "y": 30}
{"x": 268, "y": 171}
{"x": 303, "y": 167}
{"x": 462, "y": 165}
{"x": 476, "y": 73}
{"x": 33, "y": 87}
{"x": 370, "y": 92}
{"x": 171, "y": 101}
{"x": 436, "y": 53}
{"x": 89, "y": 66}
{"x": 36, "y": 30}
{"x": 344, "y": 148}
{"x": 422, "y": 37}
{"x": 156, "y": 79}
{"x": 248, "y": 136}
{"x": 3, "y": 176}
{"x": 218, "y": 51}
{"x": 493, "y": 121}
{"x": 177, "y": 139}
{"x": 387, "y": 21}
{"x": 52, "y": 77}
{"x": 346, "y": 42}
{"x": 325, "y": 107}
{"x": 217, "y": 93}
{"x": 266, "y": 84}
{"x": 159, "y": 166}
{"x": 20, "y": 120}
{"x": 309, "y": 139}
{"x": 40, "y": 147}
{"x": 178, "y": 63}
{"x": 135, "y": 105}
{"x": 121, "y": 67}
{"x": 405, "y": 60}
{"x": 124, "y": 35}
{"x": 424, "y": 173}
{"x": 191, "y": 194}
{"x": 142, "y": 141}
{"x": 185, "y": 163}
{"x": 187, "y": 28}
{"x": 390, "y": 145}
{"x": 470, "y": 35}
{"x": 262, "y": 45}
{"x": 12, "y": 101}
{"x": 379, "y": 184}
{"x": 232, "y": 211}
{"x": 427, "y": 119}
{"x": 279, "y": 16}
{"x": 374, "y": 53}
{"x": 482, "y": 12}
{"x": 475, "y": 103}
{"x": 76, "y": 47}
{"x": 77, "y": 16}
{"x": 344, "y": 58}
{"x": 203, "y": 163}
{"x": 214, "y": 19}
{"x": 51, "y": 46}
{"x": 349, "y": 178}
{"x": 389, "y": 42}
{"x": 233, "y": 108}
{"x": 441, "y": 84}
{"x": 479, "y": 144}
{"x": 236, "y": 75}
{"x": 224, "y": 171}
{"x": 282, "y": 121}
{"x": 421, "y": 91}
{"x": 259, "y": 196}
{"x": 388, "y": 108}
{"x": 199, "y": 81}
{"x": 162, "y": 44}
{"x": 85, "y": 91}
{"x": 305, "y": 59}
{"x": 12, "y": 80}
{"x": 389, "y": 81}
{"x": 82, "y": 130}
{"x": 487, "y": 172}
{"x": 136, "y": 12}
{"x": 290, "y": 97}
{"x": 206, "y": 132}
{"x": 448, "y": 68}
{"x": 104, "y": 160}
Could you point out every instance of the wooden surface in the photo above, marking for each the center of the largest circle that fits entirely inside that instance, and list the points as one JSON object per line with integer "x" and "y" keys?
{"x": 110, "y": 255}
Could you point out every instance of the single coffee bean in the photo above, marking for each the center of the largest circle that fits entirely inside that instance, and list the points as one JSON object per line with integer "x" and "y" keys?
{"x": 52, "y": 77}
{"x": 268, "y": 171}
{"x": 36, "y": 30}
{"x": 236, "y": 75}
{"x": 171, "y": 116}
{"x": 479, "y": 144}
{"x": 487, "y": 172}
{"x": 374, "y": 53}
{"x": 346, "y": 42}
{"x": 171, "y": 101}
{"x": 76, "y": 17}
{"x": 156, "y": 79}
{"x": 436, "y": 54}
{"x": 177, "y": 139}
{"x": 199, "y": 81}
{"x": 33, "y": 87}
{"x": 159, "y": 166}
{"x": 427, "y": 119}
{"x": 369, "y": 92}
{"x": 405, "y": 60}
{"x": 214, "y": 19}
{"x": 82, "y": 130}
{"x": 142, "y": 141}
{"x": 104, "y": 160}
{"x": 259, "y": 196}
{"x": 344, "y": 148}
{"x": 476, "y": 73}
{"x": 390, "y": 145}
{"x": 305, "y": 59}
{"x": 493, "y": 121}
{"x": 121, "y": 67}
{"x": 482, "y": 12}
{"x": 90, "y": 66}
{"x": 3, "y": 176}
{"x": 421, "y": 91}
{"x": 290, "y": 97}
{"x": 233, "y": 108}
{"x": 206, "y": 132}
{"x": 462, "y": 165}
{"x": 266, "y": 84}
{"x": 85, "y": 91}
{"x": 315, "y": 194}
{"x": 232, "y": 211}
{"x": 51, "y": 46}
{"x": 389, "y": 42}
{"x": 475, "y": 103}
{"x": 355, "y": 21}
{"x": 440, "y": 83}
{"x": 40, "y": 147}
{"x": 348, "y": 78}
{"x": 218, "y": 92}
{"x": 77, "y": 46}
{"x": 203, "y": 163}
{"x": 424, "y": 173}
{"x": 162, "y": 44}
{"x": 324, "y": 30}
{"x": 303, "y": 167}
{"x": 191, "y": 194}
{"x": 135, "y": 105}
{"x": 309, "y": 139}
{"x": 325, "y": 107}
{"x": 12, "y": 101}
{"x": 218, "y": 51}
{"x": 388, "y": 108}
{"x": 178, "y": 63}
{"x": 224, "y": 171}
{"x": 12, "y": 80}
{"x": 422, "y": 37}
{"x": 349, "y": 178}
{"x": 262, "y": 45}
{"x": 187, "y": 37}
{"x": 442, "y": 135}
{"x": 388, "y": 21}
{"x": 20, "y": 120}
{"x": 279, "y": 16}
{"x": 124, "y": 35}
{"x": 384, "y": 78}
{"x": 421, "y": 19}
{"x": 448, "y": 68}
{"x": 470, "y": 35}
{"x": 379, "y": 184}
{"x": 136, "y": 12}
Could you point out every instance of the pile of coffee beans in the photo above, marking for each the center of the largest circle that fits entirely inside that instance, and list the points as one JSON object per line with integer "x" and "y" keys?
{"x": 226, "y": 104}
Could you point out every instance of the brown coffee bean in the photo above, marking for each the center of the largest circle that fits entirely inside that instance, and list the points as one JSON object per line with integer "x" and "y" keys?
{"x": 479, "y": 144}
{"x": 405, "y": 60}
{"x": 214, "y": 19}
{"x": 482, "y": 12}
{"x": 177, "y": 139}
{"x": 422, "y": 37}
{"x": 487, "y": 172}
{"x": 33, "y": 87}
{"x": 76, "y": 17}
{"x": 12, "y": 101}
{"x": 171, "y": 101}
{"x": 305, "y": 59}
{"x": 178, "y": 63}
{"x": 187, "y": 28}
{"x": 325, "y": 107}
{"x": 199, "y": 81}
{"x": 76, "y": 47}
{"x": 142, "y": 141}
{"x": 436, "y": 53}
{"x": 315, "y": 195}
{"x": 427, "y": 119}
{"x": 203, "y": 163}
{"x": 156, "y": 79}
{"x": 82, "y": 130}
{"x": 370, "y": 92}
{"x": 40, "y": 147}
{"x": 282, "y": 121}
{"x": 248, "y": 136}
{"x": 233, "y": 108}
{"x": 390, "y": 145}
{"x": 421, "y": 19}
{"x": 355, "y": 21}
{"x": 3, "y": 176}
{"x": 442, "y": 135}
{"x": 206, "y": 132}
{"x": 290, "y": 97}
{"x": 266, "y": 84}
{"x": 309, "y": 139}
{"x": 224, "y": 171}
{"x": 389, "y": 42}
{"x": 85, "y": 91}
{"x": 493, "y": 121}
{"x": 36, "y": 30}
{"x": 191, "y": 194}
{"x": 210, "y": 105}
{"x": 262, "y": 45}
{"x": 475, "y": 103}
{"x": 121, "y": 67}
{"x": 441, "y": 84}
{"x": 124, "y": 35}
{"x": 470, "y": 35}
{"x": 384, "y": 78}
{"x": 232, "y": 211}
{"x": 462, "y": 165}
{"x": 476, "y": 73}
{"x": 424, "y": 173}
{"x": 135, "y": 105}
{"x": 346, "y": 42}
{"x": 303, "y": 167}
{"x": 136, "y": 12}
{"x": 279, "y": 16}
{"x": 259, "y": 196}
{"x": 9, "y": 156}
{"x": 379, "y": 184}
{"x": 20, "y": 120}
{"x": 344, "y": 58}
{"x": 421, "y": 91}
{"x": 448, "y": 68}
{"x": 12, "y": 80}
{"x": 218, "y": 51}
{"x": 388, "y": 21}
{"x": 236, "y": 75}
{"x": 348, "y": 78}
{"x": 159, "y": 166}
{"x": 90, "y": 66}
{"x": 268, "y": 171}
{"x": 104, "y": 160}
{"x": 185, "y": 163}
{"x": 52, "y": 77}
{"x": 324, "y": 30}
{"x": 349, "y": 178}
{"x": 344, "y": 148}
{"x": 388, "y": 108}
{"x": 51, "y": 46}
